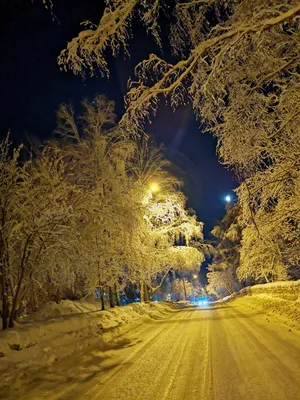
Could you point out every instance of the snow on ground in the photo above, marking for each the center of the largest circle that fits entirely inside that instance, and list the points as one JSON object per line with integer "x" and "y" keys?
{"x": 60, "y": 330}
{"x": 235, "y": 350}
{"x": 213, "y": 352}
{"x": 279, "y": 300}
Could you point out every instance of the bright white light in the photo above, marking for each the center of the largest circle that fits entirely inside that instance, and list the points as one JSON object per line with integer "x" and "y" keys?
{"x": 228, "y": 199}
{"x": 202, "y": 302}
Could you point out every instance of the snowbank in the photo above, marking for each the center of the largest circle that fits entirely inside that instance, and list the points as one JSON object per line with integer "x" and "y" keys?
{"x": 227, "y": 298}
{"x": 279, "y": 300}
{"x": 184, "y": 302}
{"x": 287, "y": 290}
{"x": 58, "y": 330}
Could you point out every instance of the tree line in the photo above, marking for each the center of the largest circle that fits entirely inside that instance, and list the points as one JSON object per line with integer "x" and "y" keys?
{"x": 239, "y": 262}
{"x": 91, "y": 209}
{"x": 237, "y": 63}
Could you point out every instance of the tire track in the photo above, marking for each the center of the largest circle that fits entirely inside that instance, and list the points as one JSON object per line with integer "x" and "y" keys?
{"x": 141, "y": 353}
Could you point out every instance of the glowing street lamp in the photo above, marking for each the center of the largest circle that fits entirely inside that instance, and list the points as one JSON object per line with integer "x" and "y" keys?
{"x": 228, "y": 199}
{"x": 154, "y": 187}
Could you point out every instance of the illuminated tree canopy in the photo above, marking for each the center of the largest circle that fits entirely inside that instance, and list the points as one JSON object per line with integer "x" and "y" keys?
{"x": 237, "y": 62}
{"x": 80, "y": 215}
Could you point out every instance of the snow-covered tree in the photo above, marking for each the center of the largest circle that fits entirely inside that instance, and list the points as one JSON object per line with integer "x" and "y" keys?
{"x": 181, "y": 289}
{"x": 228, "y": 233}
{"x": 167, "y": 219}
{"x": 78, "y": 216}
{"x": 96, "y": 155}
{"x": 237, "y": 63}
{"x": 36, "y": 216}
{"x": 261, "y": 258}
{"x": 221, "y": 283}
{"x": 10, "y": 180}
{"x": 129, "y": 229}
{"x": 222, "y": 279}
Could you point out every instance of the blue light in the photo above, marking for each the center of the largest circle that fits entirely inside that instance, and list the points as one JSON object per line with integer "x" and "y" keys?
{"x": 202, "y": 302}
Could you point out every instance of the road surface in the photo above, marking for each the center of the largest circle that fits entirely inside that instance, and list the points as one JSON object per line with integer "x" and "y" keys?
{"x": 213, "y": 353}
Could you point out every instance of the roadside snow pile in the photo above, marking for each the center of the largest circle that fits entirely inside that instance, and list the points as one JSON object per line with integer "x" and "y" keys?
{"x": 286, "y": 290}
{"x": 66, "y": 307}
{"x": 279, "y": 300}
{"x": 59, "y": 330}
{"x": 184, "y": 302}
{"x": 227, "y": 298}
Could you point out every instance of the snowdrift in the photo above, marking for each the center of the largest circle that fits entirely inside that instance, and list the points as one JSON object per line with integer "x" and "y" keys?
{"x": 59, "y": 330}
{"x": 279, "y": 300}
{"x": 287, "y": 290}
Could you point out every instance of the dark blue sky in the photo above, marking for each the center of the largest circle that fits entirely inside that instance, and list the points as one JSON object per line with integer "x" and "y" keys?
{"x": 32, "y": 87}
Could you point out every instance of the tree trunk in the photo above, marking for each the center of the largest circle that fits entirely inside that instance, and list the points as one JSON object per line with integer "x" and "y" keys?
{"x": 141, "y": 292}
{"x": 13, "y": 312}
{"x": 15, "y": 303}
{"x": 11, "y": 286}
{"x": 111, "y": 297}
{"x": 146, "y": 293}
{"x": 184, "y": 288}
{"x": 117, "y": 296}
{"x": 5, "y": 309}
{"x": 151, "y": 294}
{"x": 11, "y": 321}
{"x": 102, "y": 300}
{"x": 57, "y": 296}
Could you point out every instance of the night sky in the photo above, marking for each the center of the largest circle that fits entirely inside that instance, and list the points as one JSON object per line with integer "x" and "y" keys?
{"x": 32, "y": 87}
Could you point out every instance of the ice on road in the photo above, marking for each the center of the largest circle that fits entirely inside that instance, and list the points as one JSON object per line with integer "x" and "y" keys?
{"x": 212, "y": 353}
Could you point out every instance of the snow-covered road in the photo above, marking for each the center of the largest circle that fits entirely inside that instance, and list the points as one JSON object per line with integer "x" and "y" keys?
{"x": 213, "y": 353}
